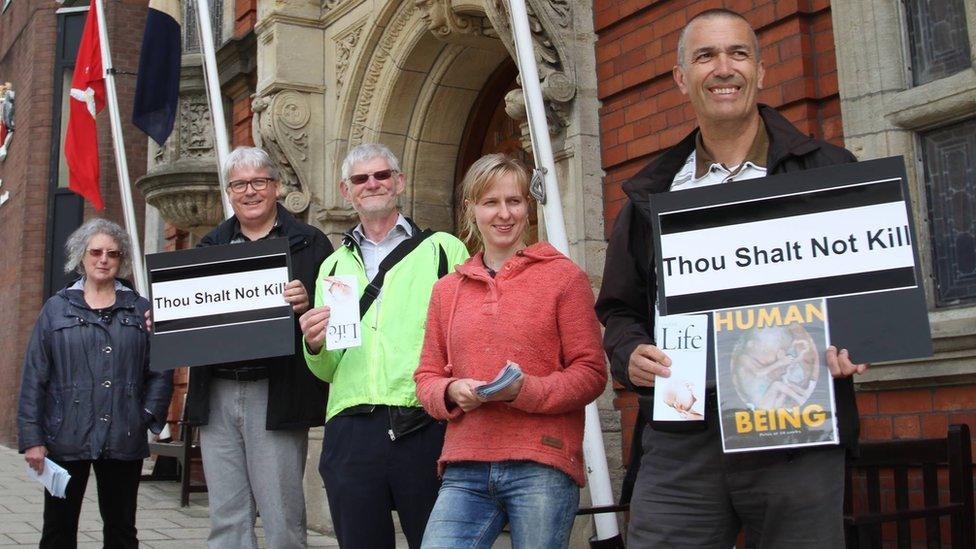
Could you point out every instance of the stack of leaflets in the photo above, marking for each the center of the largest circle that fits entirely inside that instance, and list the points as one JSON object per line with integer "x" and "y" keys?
{"x": 55, "y": 478}
{"x": 509, "y": 374}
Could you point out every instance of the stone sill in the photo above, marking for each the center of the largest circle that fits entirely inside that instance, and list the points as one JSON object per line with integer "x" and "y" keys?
{"x": 936, "y": 103}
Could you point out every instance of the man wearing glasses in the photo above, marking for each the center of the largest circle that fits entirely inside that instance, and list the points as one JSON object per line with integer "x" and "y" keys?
{"x": 380, "y": 447}
{"x": 255, "y": 415}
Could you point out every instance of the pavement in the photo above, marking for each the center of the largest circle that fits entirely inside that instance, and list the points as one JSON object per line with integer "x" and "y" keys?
{"x": 162, "y": 523}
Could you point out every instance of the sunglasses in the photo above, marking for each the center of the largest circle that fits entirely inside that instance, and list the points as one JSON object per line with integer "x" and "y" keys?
{"x": 97, "y": 252}
{"x": 239, "y": 186}
{"x": 360, "y": 178}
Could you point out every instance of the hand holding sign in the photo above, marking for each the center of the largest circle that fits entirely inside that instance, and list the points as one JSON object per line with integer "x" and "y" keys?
{"x": 647, "y": 362}
{"x": 296, "y": 296}
{"x": 840, "y": 365}
{"x": 314, "y": 324}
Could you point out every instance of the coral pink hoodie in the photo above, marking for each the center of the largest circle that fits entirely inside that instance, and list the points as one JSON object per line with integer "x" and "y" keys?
{"x": 538, "y": 313}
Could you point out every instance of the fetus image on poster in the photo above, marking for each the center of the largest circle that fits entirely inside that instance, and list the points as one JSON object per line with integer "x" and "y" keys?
{"x": 775, "y": 367}
{"x": 338, "y": 289}
{"x": 680, "y": 396}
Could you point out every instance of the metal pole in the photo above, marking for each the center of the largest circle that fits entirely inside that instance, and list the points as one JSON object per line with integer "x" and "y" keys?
{"x": 597, "y": 473}
{"x": 121, "y": 166}
{"x": 213, "y": 93}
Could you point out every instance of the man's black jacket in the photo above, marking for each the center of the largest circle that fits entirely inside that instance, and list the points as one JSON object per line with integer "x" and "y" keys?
{"x": 296, "y": 398}
{"x": 626, "y": 298}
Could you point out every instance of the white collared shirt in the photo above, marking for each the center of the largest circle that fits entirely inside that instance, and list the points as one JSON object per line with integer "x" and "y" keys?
{"x": 375, "y": 252}
{"x": 717, "y": 173}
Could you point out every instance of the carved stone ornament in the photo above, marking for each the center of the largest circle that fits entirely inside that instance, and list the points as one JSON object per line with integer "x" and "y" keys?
{"x": 281, "y": 128}
{"x": 6, "y": 118}
{"x": 186, "y": 193}
{"x": 443, "y": 21}
{"x": 549, "y": 21}
{"x": 345, "y": 46}
{"x": 196, "y": 129}
{"x": 377, "y": 61}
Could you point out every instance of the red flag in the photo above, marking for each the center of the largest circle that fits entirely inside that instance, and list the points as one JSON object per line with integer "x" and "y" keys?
{"x": 87, "y": 99}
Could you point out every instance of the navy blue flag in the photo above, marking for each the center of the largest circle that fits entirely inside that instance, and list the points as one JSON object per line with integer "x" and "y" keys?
{"x": 158, "y": 83}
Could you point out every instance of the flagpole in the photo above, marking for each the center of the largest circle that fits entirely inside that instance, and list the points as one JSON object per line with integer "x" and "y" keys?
{"x": 205, "y": 30}
{"x": 597, "y": 472}
{"x": 118, "y": 141}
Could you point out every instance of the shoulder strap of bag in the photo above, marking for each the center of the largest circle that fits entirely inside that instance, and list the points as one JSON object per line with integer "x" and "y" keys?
{"x": 372, "y": 290}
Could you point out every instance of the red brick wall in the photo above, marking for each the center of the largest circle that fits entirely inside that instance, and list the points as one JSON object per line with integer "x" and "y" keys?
{"x": 643, "y": 112}
{"x": 245, "y": 15}
{"x": 28, "y": 33}
{"x": 923, "y": 412}
{"x": 27, "y": 38}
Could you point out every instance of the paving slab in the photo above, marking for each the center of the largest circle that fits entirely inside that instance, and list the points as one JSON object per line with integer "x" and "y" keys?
{"x": 162, "y": 523}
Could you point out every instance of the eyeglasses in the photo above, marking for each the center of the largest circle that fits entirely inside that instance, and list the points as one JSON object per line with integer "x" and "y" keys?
{"x": 97, "y": 252}
{"x": 360, "y": 178}
{"x": 258, "y": 184}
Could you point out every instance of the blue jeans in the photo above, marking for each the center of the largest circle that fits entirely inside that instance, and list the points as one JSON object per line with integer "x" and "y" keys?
{"x": 477, "y": 499}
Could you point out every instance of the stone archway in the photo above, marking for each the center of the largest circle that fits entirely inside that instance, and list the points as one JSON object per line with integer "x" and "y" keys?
{"x": 415, "y": 94}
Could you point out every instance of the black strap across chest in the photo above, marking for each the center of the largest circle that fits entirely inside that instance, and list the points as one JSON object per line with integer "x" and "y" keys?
{"x": 372, "y": 290}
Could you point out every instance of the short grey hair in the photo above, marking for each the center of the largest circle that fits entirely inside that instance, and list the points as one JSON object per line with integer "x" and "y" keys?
{"x": 77, "y": 244}
{"x": 715, "y": 14}
{"x": 366, "y": 152}
{"x": 250, "y": 157}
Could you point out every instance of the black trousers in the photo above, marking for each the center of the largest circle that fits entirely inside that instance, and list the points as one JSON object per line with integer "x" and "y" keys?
{"x": 118, "y": 487}
{"x": 367, "y": 476}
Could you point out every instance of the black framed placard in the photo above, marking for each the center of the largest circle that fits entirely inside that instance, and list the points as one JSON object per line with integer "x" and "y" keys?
{"x": 844, "y": 233}
{"x": 220, "y": 304}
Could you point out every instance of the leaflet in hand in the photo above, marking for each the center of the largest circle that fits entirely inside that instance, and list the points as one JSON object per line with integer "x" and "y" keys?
{"x": 341, "y": 294}
{"x": 684, "y": 338}
{"x": 509, "y": 374}
{"x": 55, "y": 478}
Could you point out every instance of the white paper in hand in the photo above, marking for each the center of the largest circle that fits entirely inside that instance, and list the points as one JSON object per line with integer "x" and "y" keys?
{"x": 55, "y": 478}
{"x": 341, "y": 294}
{"x": 683, "y": 338}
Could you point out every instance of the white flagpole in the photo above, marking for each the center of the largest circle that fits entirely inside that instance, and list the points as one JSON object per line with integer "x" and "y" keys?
{"x": 205, "y": 30}
{"x": 118, "y": 140}
{"x": 597, "y": 472}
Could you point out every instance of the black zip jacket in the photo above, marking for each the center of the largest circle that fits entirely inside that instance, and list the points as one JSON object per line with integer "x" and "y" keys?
{"x": 87, "y": 391}
{"x": 626, "y": 302}
{"x": 296, "y": 398}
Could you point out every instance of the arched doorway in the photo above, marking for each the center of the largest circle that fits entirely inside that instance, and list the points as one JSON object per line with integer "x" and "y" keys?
{"x": 488, "y": 130}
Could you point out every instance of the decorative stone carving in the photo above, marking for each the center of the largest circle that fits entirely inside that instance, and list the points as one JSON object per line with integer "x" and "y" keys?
{"x": 378, "y": 60}
{"x": 186, "y": 194}
{"x": 443, "y": 21}
{"x": 549, "y": 20}
{"x": 281, "y": 128}
{"x": 182, "y": 180}
{"x": 196, "y": 128}
{"x": 345, "y": 45}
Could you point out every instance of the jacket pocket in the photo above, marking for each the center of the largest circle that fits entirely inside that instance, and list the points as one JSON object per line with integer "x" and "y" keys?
{"x": 53, "y": 413}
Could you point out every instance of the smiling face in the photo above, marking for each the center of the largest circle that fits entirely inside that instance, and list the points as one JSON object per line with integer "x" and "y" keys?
{"x": 720, "y": 73}
{"x": 373, "y": 198}
{"x": 253, "y": 208}
{"x": 502, "y": 216}
{"x": 102, "y": 268}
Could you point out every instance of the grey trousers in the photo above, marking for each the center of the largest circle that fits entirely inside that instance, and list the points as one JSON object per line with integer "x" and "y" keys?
{"x": 689, "y": 494}
{"x": 246, "y": 465}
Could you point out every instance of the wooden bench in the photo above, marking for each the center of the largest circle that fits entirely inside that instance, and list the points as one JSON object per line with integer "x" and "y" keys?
{"x": 184, "y": 449}
{"x": 892, "y": 469}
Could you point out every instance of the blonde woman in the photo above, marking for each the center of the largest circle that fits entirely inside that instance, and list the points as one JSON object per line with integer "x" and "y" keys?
{"x": 515, "y": 457}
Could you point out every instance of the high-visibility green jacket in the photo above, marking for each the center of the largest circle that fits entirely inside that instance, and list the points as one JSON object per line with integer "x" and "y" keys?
{"x": 380, "y": 370}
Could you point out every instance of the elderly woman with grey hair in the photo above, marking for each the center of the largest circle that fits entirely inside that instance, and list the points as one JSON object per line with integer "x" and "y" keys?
{"x": 87, "y": 394}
